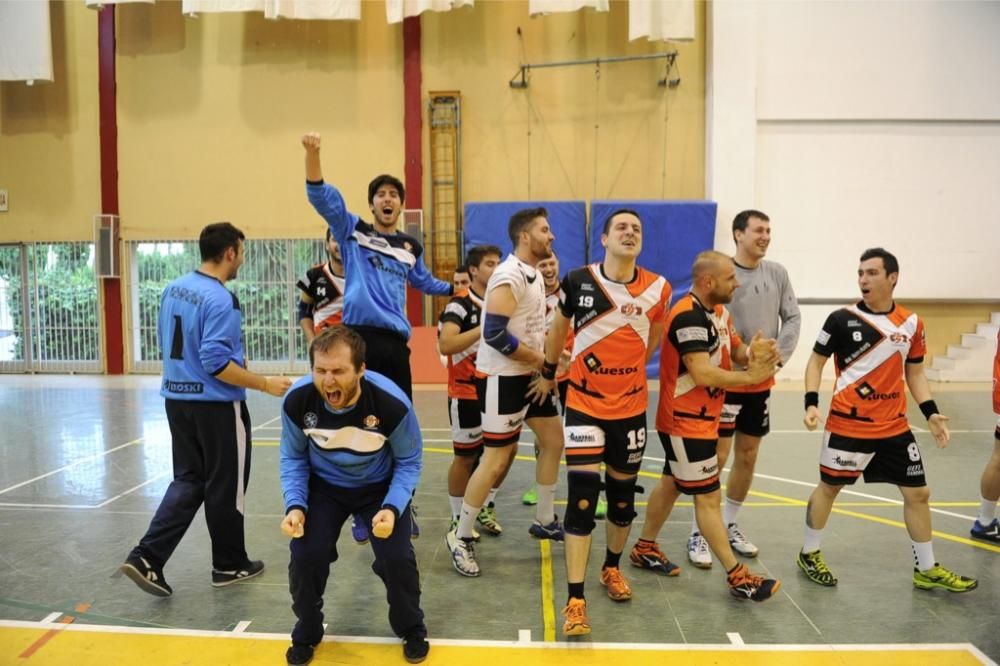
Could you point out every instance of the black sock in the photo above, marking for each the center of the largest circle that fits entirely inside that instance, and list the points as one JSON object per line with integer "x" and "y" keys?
{"x": 612, "y": 559}
{"x": 576, "y": 591}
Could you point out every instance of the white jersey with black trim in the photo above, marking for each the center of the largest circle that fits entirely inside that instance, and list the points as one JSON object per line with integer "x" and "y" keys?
{"x": 527, "y": 323}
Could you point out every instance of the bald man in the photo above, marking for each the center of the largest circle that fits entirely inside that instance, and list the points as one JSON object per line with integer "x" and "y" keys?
{"x": 695, "y": 370}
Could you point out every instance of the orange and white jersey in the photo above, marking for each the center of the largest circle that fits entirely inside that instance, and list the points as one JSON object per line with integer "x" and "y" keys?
{"x": 685, "y": 408}
{"x": 551, "y": 303}
{"x": 996, "y": 379}
{"x": 327, "y": 293}
{"x": 527, "y": 322}
{"x": 869, "y": 350}
{"x": 465, "y": 309}
{"x": 611, "y": 320}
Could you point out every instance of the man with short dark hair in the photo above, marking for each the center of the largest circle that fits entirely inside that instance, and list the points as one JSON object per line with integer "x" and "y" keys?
{"x": 321, "y": 292}
{"x": 350, "y": 444}
{"x": 204, "y": 389}
{"x": 379, "y": 261}
{"x": 764, "y": 302}
{"x": 510, "y": 353}
{"x": 878, "y": 349}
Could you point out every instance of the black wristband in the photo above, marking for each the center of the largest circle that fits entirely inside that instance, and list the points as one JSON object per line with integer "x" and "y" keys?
{"x": 548, "y": 370}
{"x": 812, "y": 399}
{"x": 929, "y": 408}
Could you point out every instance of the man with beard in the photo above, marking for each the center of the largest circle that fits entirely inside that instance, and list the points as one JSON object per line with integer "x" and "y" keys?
{"x": 350, "y": 445}
{"x": 617, "y": 310}
{"x": 204, "y": 390}
{"x": 510, "y": 353}
{"x": 695, "y": 371}
{"x": 321, "y": 297}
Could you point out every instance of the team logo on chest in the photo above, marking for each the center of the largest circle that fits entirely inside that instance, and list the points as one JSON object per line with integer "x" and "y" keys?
{"x": 371, "y": 422}
{"x": 631, "y": 310}
{"x": 901, "y": 339}
{"x": 310, "y": 420}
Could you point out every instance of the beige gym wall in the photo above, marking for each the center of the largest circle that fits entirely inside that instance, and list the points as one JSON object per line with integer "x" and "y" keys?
{"x": 49, "y": 138}
{"x": 541, "y": 142}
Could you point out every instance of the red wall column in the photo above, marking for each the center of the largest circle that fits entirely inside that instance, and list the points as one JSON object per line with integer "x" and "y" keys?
{"x": 114, "y": 349}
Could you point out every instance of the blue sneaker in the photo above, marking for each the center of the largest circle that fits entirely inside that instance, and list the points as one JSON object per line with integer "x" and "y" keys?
{"x": 359, "y": 531}
{"x": 553, "y": 530}
{"x": 989, "y": 532}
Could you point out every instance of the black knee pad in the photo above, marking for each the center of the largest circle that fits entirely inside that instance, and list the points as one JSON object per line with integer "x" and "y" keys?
{"x": 621, "y": 499}
{"x": 584, "y": 487}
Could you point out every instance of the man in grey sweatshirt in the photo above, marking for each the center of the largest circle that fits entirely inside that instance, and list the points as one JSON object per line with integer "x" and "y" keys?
{"x": 763, "y": 302}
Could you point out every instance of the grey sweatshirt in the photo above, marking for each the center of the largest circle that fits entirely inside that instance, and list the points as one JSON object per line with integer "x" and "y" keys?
{"x": 764, "y": 298}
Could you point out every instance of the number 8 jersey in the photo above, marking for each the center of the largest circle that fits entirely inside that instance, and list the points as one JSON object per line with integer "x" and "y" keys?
{"x": 611, "y": 321}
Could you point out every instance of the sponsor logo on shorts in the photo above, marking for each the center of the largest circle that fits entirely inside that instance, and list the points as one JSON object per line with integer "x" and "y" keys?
{"x": 580, "y": 438}
{"x": 310, "y": 420}
{"x": 514, "y": 423}
{"x": 634, "y": 458}
{"x": 845, "y": 462}
{"x": 705, "y": 469}
{"x": 914, "y": 470}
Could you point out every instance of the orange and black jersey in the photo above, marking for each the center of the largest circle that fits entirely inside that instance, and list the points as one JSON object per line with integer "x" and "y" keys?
{"x": 869, "y": 350}
{"x": 551, "y": 303}
{"x": 465, "y": 309}
{"x": 611, "y": 322}
{"x": 327, "y": 293}
{"x": 685, "y": 408}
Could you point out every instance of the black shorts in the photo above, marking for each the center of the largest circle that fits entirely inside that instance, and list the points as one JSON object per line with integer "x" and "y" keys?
{"x": 619, "y": 443}
{"x": 505, "y": 407}
{"x": 694, "y": 463}
{"x": 466, "y": 426}
{"x": 747, "y": 412}
{"x": 894, "y": 460}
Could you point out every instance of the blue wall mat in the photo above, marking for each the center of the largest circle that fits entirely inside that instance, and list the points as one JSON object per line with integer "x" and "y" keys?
{"x": 674, "y": 232}
{"x": 486, "y": 222}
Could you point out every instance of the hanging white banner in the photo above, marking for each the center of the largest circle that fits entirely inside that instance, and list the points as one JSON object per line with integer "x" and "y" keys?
{"x": 25, "y": 41}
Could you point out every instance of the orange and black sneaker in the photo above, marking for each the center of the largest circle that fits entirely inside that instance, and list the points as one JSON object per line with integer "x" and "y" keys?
{"x": 746, "y": 585}
{"x": 647, "y": 555}
{"x": 576, "y": 623}
{"x": 617, "y": 584}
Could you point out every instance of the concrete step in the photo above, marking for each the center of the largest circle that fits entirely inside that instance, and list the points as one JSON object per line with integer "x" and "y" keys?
{"x": 988, "y": 330}
{"x": 975, "y": 374}
{"x": 995, "y": 318}
{"x": 959, "y": 351}
{"x": 943, "y": 363}
{"x": 973, "y": 341}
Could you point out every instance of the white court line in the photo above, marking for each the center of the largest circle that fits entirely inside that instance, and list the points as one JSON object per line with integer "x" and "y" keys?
{"x": 51, "y": 617}
{"x": 524, "y": 635}
{"x": 756, "y": 647}
{"x": 241, "y": 626}
{"x": 132, "y": 489}
{"x": 71, "y": 465}
{"x": 735, "y": 638}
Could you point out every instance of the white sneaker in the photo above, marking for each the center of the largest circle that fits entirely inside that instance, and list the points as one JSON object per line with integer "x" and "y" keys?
{"x": 476, "y": 536}
{"x": 698, "y": 551}
{"x": 740, "y": 543}
{"x": 463, "y": 554}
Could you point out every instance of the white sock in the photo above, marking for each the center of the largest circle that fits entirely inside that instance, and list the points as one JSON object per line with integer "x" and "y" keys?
{"x": 923, "y": 555}
{"x": 987, "y": 511}
{"x": 492, "y": 496}
{"x": 730, "y": 510}
{"x": 812, "y": 539}
{"x": 466, "y": 520}
{"x": 545, "y": 511}
{"x": 456, "y": 505}
{"x": 694, "y": 525}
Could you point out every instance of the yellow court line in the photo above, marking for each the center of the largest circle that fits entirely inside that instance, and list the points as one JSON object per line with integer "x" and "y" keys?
{"x": 548, "y": 608}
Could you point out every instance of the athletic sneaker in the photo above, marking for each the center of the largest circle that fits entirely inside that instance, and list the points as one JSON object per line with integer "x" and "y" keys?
{"x": 746, "y": 585}
{"x": 990, "y": 532}
{"x": 299, "y": 654}
{"x": 576, "y": 623}
{"x": 530, "y": 496}
{"x": 617, "y": 584}
{"x": 814, "y": 567}
{"x": 463, "y": 555}
{"x": 476, "y": 536}
{"x": 249, "y": 570}
{"x": 652, "y": 558}
{"x": 488, "y": 519}
{"x": 943, "y": 578}
{"x": 698, "y": 551}
{"x": 739, "y": 542}
{"x": 148, "y": 577}
{"x": 552, "y": 531}
{"x": 602, "y": 508}
{"x": 414, "y": 527}
{"x": 359, "y": 531}
{"x": 415, "y": 648}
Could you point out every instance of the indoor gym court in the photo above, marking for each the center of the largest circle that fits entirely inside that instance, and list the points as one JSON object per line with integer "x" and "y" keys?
{"x": 94, "y": 458}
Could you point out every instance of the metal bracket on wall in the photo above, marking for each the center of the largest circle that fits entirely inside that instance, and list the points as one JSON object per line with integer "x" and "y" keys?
{"x": 520, "y": 80}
